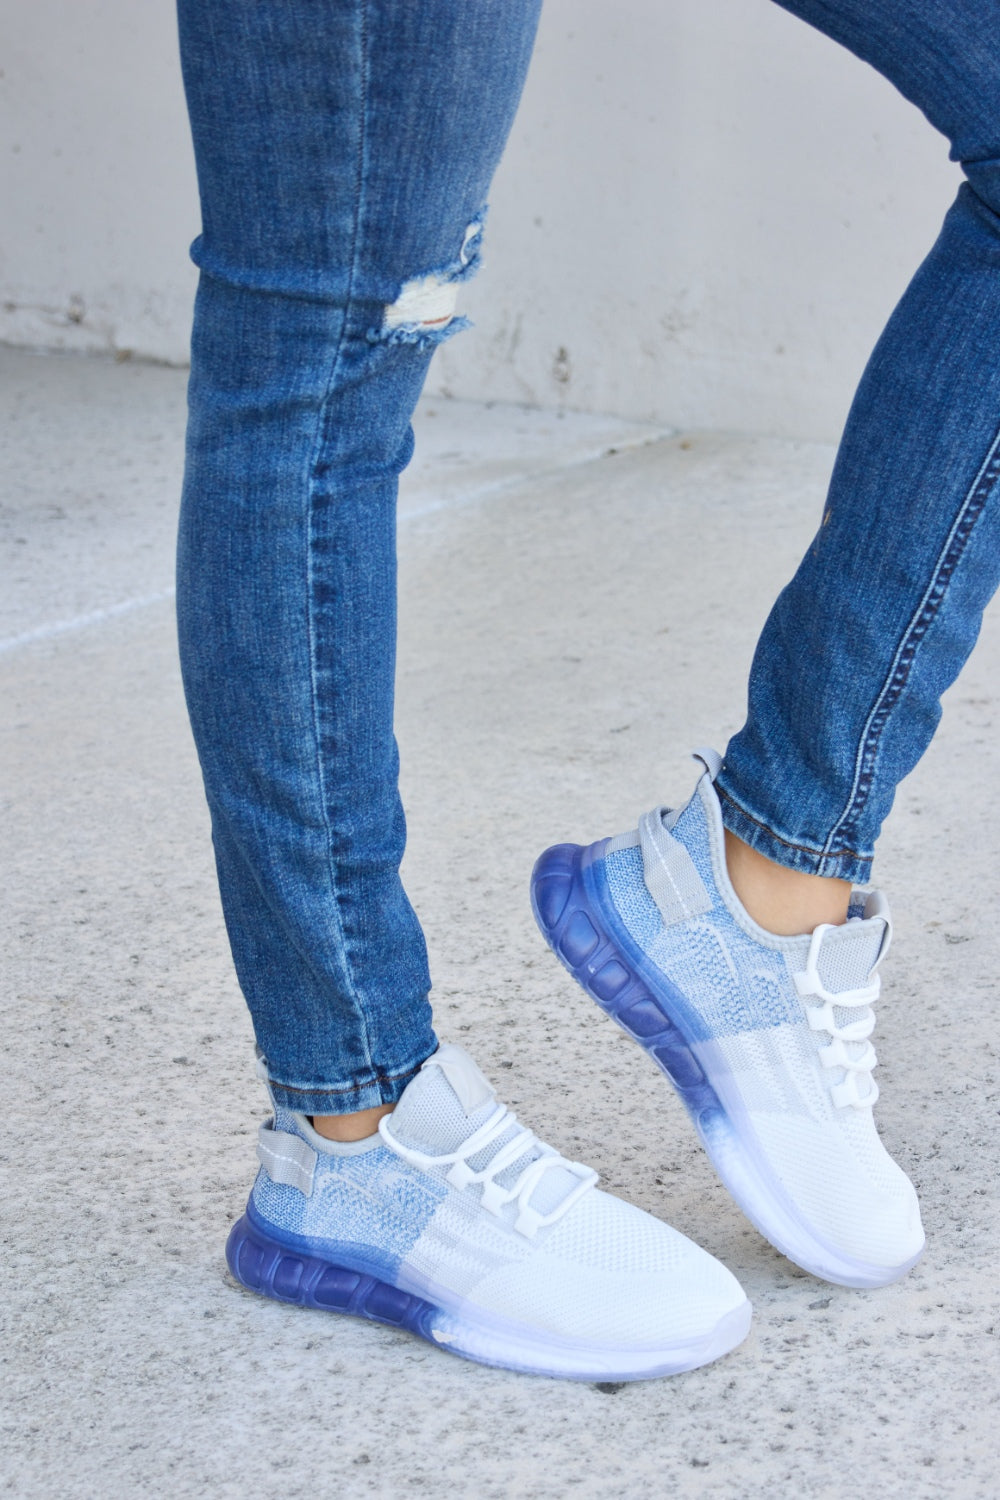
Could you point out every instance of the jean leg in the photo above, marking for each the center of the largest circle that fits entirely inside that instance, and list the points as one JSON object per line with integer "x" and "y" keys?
{"x": 344, "y": 153}
{"x": 845, "y": 688}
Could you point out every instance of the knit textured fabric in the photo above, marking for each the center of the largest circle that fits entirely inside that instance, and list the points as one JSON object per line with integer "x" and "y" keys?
{"x": 750, "y": 1028}
{"x": 603, "y": 1272}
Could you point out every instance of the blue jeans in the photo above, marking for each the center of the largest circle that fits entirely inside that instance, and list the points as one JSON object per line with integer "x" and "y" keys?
{"x": 345, "y": 150}
{"x": 886, "y": 605}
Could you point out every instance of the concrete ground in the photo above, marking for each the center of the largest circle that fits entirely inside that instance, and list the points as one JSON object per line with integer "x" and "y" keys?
{"x": 580, "y": 599}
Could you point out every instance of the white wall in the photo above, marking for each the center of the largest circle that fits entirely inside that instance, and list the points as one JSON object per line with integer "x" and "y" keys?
{"x": 705, "y": 214}
{"x": 97, "y": 197}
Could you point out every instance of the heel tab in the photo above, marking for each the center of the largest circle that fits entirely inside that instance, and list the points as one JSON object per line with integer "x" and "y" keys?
{"x": 286, "y": 1158}
{"x": 709, "y": 758}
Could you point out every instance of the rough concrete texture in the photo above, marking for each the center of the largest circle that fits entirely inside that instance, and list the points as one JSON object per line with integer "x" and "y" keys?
{"x": 567, "y": 636}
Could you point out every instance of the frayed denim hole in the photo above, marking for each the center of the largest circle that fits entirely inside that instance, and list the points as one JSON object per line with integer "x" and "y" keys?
{"x": 422, "y": 337}
{"x": 424, "y": 312}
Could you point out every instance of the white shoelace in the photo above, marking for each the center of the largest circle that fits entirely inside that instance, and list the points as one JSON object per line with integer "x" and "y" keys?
{"x": 821, "y": 1018}
{"x": 494, "y": 1197}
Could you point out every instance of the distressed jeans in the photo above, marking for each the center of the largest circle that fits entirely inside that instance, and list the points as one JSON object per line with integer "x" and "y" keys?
{"x": 344, "y": 151}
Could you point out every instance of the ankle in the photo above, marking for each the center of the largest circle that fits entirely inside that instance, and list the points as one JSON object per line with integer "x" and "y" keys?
{"x": 354, "y": 1127}
{"x": 785, "y": 902}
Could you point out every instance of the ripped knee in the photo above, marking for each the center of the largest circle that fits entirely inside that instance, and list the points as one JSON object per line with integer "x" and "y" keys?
{"x": 424, "y": 313}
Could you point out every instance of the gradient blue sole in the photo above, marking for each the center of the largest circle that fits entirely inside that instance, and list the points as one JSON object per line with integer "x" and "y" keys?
{"x": 263, "y": 1262}
{"x": 575, "y": 913}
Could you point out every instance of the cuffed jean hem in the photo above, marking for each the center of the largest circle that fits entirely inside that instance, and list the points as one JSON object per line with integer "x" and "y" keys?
{"x": 846, "y": 865}
{"x": 348, "y": 1099}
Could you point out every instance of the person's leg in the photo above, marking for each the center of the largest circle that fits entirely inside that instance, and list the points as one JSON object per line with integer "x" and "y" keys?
{"x": 344, "y": 152}
{"x": 887, "y": 603}
{"x": 696, "y": 931}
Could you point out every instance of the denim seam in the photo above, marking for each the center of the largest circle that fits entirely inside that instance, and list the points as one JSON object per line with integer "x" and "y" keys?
{"x": 309, "y": 581}
{"x": 920, "y": 622}
{"x": 354, "y": 1088}
{"x": 788, "y": 843}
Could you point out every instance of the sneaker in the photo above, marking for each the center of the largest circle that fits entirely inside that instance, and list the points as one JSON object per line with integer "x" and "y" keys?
{"x": 765, "y": 1038}
{"x": 456, "y": 1223}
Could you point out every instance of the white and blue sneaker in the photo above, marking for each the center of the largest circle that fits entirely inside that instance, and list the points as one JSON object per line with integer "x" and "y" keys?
{"x": 456, "y": 1223}
{"x": 765, "y": 1038}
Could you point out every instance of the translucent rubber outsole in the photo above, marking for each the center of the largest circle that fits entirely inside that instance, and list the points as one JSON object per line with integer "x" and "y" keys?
{"x": 576, "y": 916}
{"x": 263, "y": 1262}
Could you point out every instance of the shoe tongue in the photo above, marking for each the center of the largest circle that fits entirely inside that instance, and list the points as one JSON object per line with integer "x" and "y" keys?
{"x": 446, "y": 1103}
{"x": 848, "y": 953}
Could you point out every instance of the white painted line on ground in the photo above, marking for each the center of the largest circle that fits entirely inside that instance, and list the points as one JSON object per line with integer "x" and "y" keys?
{"x": 492, "y": 487}
{"x": 485, "y": 491}
{"x": 80, "y": 622}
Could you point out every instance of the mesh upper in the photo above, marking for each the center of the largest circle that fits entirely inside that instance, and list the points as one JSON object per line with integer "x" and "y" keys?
{"x": 616, "y": 1235}
{"x": 604, "y": 1272}
{"x": 739, "y": 987}
{"x": 849, "y": 1189}
{"x": 371, "y": 1199}
{"x": 737, "y": 983}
